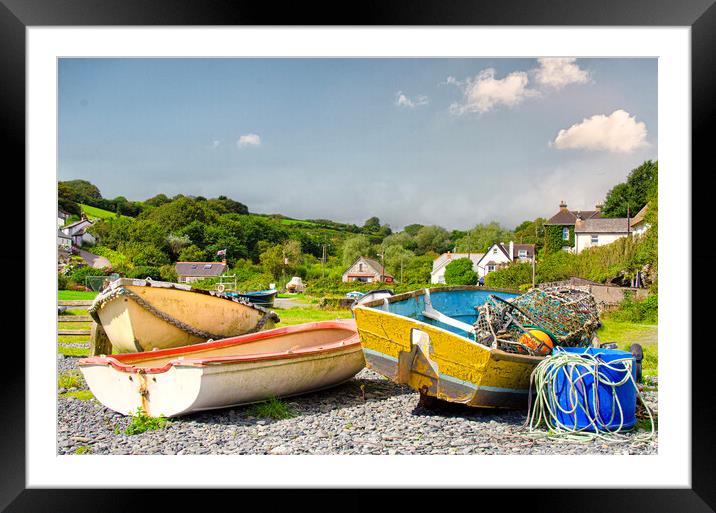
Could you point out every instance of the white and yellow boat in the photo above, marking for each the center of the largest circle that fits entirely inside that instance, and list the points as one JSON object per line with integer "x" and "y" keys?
{"x": 425, "y": 339}
{"x": 143, "y": 315}
{"x": 281, "y": 362}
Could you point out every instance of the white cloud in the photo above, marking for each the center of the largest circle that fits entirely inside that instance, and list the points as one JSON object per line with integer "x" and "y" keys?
{"x": 249, "y": 140}
{"x": 401, "y": 100}
{"x": 618, "y": 132}
{"x": 215, "y": 143}
{"x": 558, "y": 72}
{"x": 484, "y": 92}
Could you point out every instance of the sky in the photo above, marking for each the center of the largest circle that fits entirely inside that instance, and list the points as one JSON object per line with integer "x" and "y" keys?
{"x": 452, "y": 142}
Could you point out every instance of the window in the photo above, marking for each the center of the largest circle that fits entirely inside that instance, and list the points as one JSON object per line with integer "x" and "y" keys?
{"x": 565, "y": 233}
{"x": 595, "y": 240}
{"x": 490, "y": 268}
{"x": 522, "y": 253}
{"x": 207, "y": 266}
{"x": 193, "y": 266}
{"x": 360, "y": 267}
{"x": 494, "y": 251}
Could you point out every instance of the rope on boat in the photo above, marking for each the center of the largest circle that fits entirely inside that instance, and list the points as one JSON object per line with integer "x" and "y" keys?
{"x": 121, "y": 291}
{"x": 574, "y": 368}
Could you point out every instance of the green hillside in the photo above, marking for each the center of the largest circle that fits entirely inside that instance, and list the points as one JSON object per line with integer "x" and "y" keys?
{"x": 98, "y": 213}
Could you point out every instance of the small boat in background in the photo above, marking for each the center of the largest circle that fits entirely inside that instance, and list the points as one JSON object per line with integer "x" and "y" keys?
{"x": 372, "y": 296}
{"x": 426, "y": 339}
{"x": 281, "y": 362}
{"x": 263, "y": 298}
{"x": 142, "y": 315}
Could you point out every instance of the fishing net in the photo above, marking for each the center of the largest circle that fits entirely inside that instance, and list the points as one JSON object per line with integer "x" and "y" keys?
{"x": 568, "y": 315}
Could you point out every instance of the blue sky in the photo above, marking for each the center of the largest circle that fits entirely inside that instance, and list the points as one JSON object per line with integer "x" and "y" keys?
{"x": 453, "y": 142}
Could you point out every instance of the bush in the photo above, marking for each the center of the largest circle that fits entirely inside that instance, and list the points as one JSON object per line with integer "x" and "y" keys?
{"x": 143, "y": 271}
{"x": 644, "y": 311}
{"x": 62, "y": 281}
{"x": 459, "y": 272}
{"x": 151, "y": 257}
{"x": 515, "y": 276}
{"x": 168, "y": 273}
{"x": 79, "y": 274}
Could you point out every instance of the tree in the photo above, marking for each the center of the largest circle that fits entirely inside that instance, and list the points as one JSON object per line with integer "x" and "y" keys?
{"x": 482, "y": 236}
{"x": 177, "y": 243}
{"x": 372, "y": 224}
{"x": 460, "y": 272}
{"x": 355, "y": 247}
{"x": 192, "y": 253}
{"x": 396, "y": 259}
{"x": 157, "y": 201}
{"x": 281, "y": 258}
{"x": 432, "y": 238}
{"x": 531, "y": 232}
{"x": 640, "y": 186}
{"x": 412, "y": 229}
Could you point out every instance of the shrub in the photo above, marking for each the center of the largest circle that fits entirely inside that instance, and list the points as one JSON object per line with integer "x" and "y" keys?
{"x": 142, "y": 422}
{"x": 62, "y": 281}
{"x": 644, "y": 311}
{"x": 514, "y": 276}
{"x": 79, "y": 274}
{"x": 459, "y": 272}
{"x": 168, "y": 273}
{"x": 143, "y": 271}
{"x": 150, "y": 256}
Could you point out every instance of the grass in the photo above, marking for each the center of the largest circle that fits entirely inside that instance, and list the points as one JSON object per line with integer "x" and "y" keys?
{"x": 63, "y": 295}
{"x": 74, "y": 325}
{"x": 82, "y": 395}
{"x": 72, "y": 351}
{"x": 300, "y": 315}
{"x": 142, "y": 422}
{"x": 273, "y": 409}
{"x": 94, "y": 212}
{"x": 626, "y": 333}
{"x": 70, "y": 379}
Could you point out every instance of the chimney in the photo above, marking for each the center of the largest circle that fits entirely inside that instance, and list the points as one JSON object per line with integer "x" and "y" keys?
{"x": 223, "y": 260}
{"x": 512, "y": 250}
{"x": 562, "y": 205}
{"x": 598, "y": 206}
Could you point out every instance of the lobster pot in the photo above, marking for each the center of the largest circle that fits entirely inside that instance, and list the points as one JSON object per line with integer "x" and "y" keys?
{"x": 582, "y": 404}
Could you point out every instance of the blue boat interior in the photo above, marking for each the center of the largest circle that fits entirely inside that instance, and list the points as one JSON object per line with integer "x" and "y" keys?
{"x": 458, "y": 305}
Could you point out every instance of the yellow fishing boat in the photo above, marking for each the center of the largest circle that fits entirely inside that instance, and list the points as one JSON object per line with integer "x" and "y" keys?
{"x": 143, "y": 315}
{"x": 426, "y": 339}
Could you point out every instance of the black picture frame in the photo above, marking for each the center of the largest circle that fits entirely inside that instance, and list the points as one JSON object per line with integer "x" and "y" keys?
{"x": 700, "y": 15}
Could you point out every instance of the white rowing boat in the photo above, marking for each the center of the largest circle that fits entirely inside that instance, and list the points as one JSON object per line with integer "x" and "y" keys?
{"x": 275, "y": 363}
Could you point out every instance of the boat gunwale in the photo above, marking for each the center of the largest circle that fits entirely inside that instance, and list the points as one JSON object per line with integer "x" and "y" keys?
{"x": 494, "y": 352}
{"x": 141, "y": 282}
{"x": 421, "y": 292}
{"x": 117, "y": 361}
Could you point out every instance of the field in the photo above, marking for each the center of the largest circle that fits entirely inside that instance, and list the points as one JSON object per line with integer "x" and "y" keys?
{"x": 98, "y": 213}
{"x": 627, "y": 333}
{"x": 75, "y": 295}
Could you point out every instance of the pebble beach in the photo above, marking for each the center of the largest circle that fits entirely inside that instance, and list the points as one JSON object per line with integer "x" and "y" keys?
{"x": 366, "y": 415}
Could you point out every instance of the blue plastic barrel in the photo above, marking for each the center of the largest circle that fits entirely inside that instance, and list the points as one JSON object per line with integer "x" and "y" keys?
{"x": 575, "y": 392}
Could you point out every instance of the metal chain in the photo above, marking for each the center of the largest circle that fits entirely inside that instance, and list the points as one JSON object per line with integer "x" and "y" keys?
{"x": 168, "y": 318}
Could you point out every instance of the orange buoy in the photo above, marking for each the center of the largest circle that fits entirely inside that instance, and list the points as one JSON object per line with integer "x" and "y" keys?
{"x": 538, "y": 341}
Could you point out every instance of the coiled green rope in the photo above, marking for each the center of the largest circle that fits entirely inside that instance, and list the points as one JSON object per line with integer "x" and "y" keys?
{"x": 575, "y": 367}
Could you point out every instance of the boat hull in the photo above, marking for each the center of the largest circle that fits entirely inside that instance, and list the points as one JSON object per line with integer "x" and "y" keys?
{"x": 235, "y": 371}
{"x": 265, "y": 299}
{"x": 440, "y": 363}
{"x": 132, "y": 327}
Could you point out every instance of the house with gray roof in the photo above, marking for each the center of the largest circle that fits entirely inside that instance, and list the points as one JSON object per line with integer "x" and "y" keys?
{"x": 566, "y": 220}
{"x": 598, "y": 232}
{"x": 188, "y": 272}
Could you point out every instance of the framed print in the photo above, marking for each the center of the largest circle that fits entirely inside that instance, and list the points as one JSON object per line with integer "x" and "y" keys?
{"x": 385, "y": 202}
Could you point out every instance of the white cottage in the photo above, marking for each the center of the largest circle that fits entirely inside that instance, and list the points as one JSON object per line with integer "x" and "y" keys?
{"x": 366, "y": 270}
{"x": 501, "y": 255}
{"x": 599, "y": 232}
{"x": 437, "y": 275}
{"x": 78, "y": 232}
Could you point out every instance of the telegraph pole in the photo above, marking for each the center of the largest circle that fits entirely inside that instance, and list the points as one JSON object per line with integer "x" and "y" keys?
{"x": 534, "y": 259}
